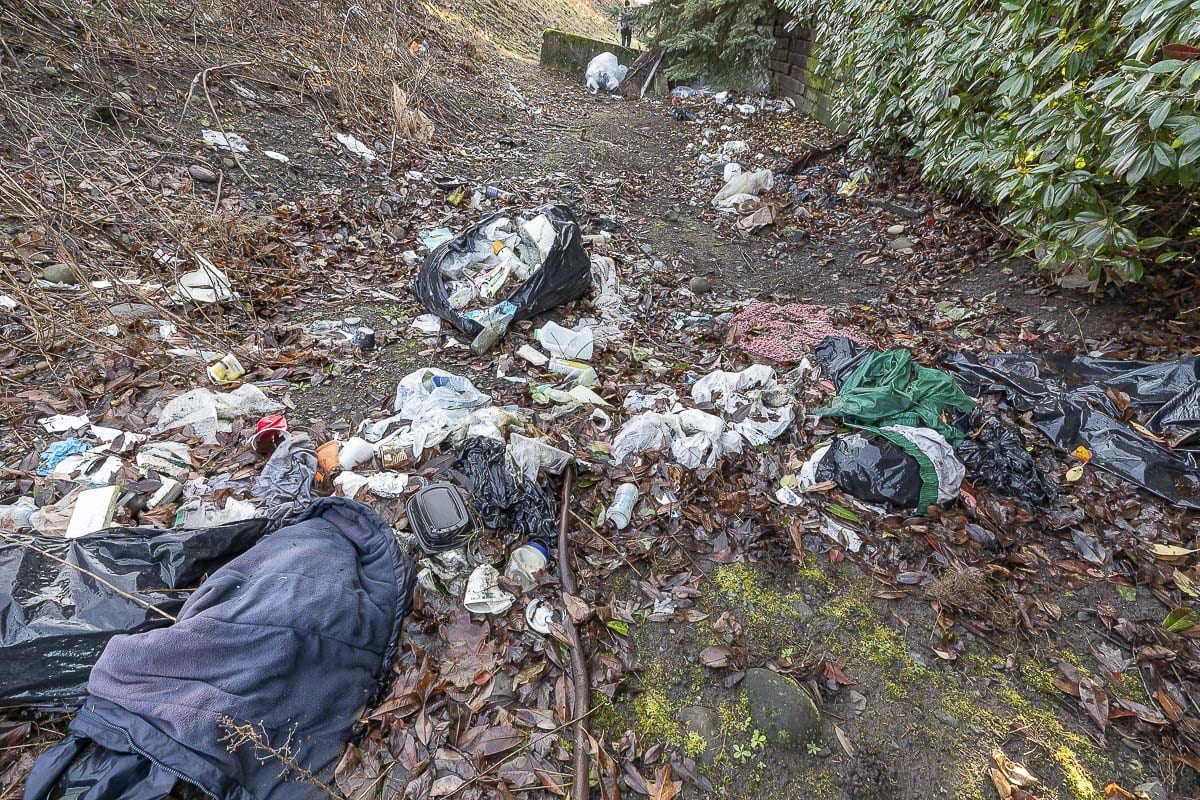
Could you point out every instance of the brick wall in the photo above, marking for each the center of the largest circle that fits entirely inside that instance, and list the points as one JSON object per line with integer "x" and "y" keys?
{"x": 792, "y": 67}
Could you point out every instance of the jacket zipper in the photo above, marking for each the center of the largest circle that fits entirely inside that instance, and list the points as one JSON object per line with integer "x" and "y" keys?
{"x": 165, "y": 768}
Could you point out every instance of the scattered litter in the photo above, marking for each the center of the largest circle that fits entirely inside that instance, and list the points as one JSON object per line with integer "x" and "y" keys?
{"x": 355, "y": 146}
{"x": 208, "y": 413}
{"x": 276, "y": 156}
{"x": 576, "y": 371}
{"x": 525, "y": 563}
{"x": 93, "y": 511}
{"x": 439, "y": 517}
{"x": 226, "y": 370}
{"x": 841, "y": 535}
{"x": 350, "y": 484}
{"x": 428, "y": 324}
{"x": 61, "y": 423}
{"x": 388, "y": 485}
{"x": 561, "y": 342}
{"x": 538, "y": 615}
{"x": 621, "y": 510}
{"x": 532, "y": 456}
{"x": 169, "y": 459}
{"x": 483, "y": 594}
{"x": 57, "y": 452}
{"x": 225, "y": 141}
{"x": 204, "y": 285}
{"x": 531, "y": 355}
{"x": 197, "y": 514}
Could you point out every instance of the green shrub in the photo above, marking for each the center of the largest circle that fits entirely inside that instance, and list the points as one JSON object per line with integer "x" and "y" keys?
{"x": 1068, "y": 114}
{"x": 717, "y": 41}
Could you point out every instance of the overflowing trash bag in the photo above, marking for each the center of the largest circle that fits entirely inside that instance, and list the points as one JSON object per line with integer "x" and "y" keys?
{"x": 1084, "y": 401}
{"x": 504, "y": 498}
{"x": 510, "y": 266}
{"x": 994, "y": 453}
{"x": 282, "y": 648}
{"x": 55, "y": 619}
{"x": 605, "y": 73}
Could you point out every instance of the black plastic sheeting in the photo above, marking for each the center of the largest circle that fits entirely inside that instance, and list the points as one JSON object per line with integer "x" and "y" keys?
{"x": 565, "y": 274}
{"x": 994, "y": 453}
{"x": 872, "y": 469}
{"x": 1068, "y": 399}
{"x": 56, "y": 620}
{"x": 504, "y": 499}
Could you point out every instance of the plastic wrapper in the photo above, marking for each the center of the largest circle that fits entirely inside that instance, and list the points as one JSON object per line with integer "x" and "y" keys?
{"x": 1071, "y": 401}
{"x": 746, "y": 184}
{"x": 564, "y": 274}
{"x": 57, "y": 620}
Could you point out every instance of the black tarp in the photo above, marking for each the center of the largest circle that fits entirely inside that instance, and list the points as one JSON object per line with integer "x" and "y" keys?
{"x": 55, "y": 620}
{"x": 1071, "y": 400}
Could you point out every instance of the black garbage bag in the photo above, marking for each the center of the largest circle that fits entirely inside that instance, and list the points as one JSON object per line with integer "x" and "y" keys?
{"x": 994, "y": 454}
{"x": 565, "y": 274}
{"x": 56, "y": 620}
{"x": 284, "y": 647}
{"x": 503, "y": 498}
{"x": 872, "y": 469}
{"x": 1069, "y": 402}
{"x": 839, "y": 357}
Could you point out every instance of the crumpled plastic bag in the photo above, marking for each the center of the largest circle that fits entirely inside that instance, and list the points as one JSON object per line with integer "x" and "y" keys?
{"x": 950, "y": 471}
{"x": 506, "y": 499}
{"x": 605, "y": 73}
{"x": 994, "y": 453}
{"x": 434, "y": 402}
{"x": 208, "y": 412}
{"x": 770, "y": 404}
{"x": 751, "y": 184}
{"x": 876, "y": 469}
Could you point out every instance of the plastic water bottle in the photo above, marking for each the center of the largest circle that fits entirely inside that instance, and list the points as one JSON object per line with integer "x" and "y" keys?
{"x": 621, "y": 510}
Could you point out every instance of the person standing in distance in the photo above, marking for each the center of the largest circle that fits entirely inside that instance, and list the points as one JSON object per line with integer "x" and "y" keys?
{"x": 625, "y": 26}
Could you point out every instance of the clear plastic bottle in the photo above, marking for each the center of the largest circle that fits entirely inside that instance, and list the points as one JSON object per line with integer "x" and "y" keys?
{"x": 621, "y": 510}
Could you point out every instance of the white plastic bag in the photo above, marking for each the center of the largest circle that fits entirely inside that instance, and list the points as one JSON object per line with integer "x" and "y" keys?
{"x": 208, "y": 412}
{"x": 950, "y": 471}
{"x": 562, "y": 342}
{"x": 748, "y": 183}
{"x": 605, "y": 73}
